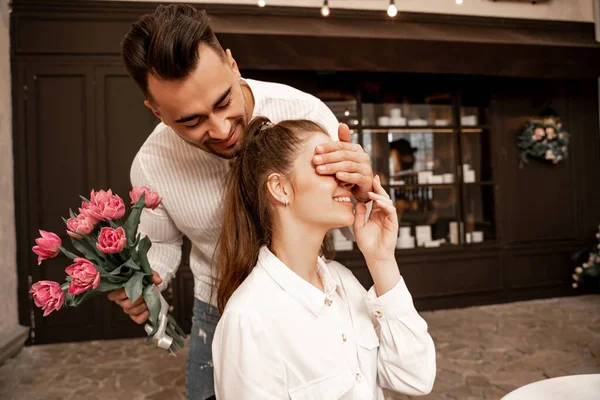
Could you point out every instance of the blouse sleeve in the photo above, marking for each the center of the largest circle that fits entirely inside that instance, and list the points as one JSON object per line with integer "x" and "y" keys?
{"x": 406, "y": 358}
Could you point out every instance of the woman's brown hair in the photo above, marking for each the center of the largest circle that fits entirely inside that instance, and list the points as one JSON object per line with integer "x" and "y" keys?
{"x": 247, "y": 223}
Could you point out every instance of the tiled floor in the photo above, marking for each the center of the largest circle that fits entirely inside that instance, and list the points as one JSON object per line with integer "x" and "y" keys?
{"x": 482, "y": 353}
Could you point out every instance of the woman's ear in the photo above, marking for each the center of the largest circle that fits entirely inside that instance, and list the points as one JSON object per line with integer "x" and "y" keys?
{"x": 279, "y": 189}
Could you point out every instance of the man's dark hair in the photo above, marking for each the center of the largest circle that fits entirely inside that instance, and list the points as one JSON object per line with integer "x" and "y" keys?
{"x": 165, "y": 43}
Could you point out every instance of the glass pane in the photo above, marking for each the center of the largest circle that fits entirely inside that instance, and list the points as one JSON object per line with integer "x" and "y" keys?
{"x": 399, "y": 157}
{"x": 345, "y": 111}
{"x": 476, "y": 151}
{"x": 403, "y": 114}
{"x": 469, "y": 116}
{"x": 424, "y": 213}
{"x": 479, "y": 221}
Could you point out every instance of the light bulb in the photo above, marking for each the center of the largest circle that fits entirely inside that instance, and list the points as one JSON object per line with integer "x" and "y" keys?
{"x": 262, "y": 3}
{"x": 459, "y": 2}
{"x": 325, "y": 9}
{"x": 392, "y": 10}
{"x": 347, "y": 112}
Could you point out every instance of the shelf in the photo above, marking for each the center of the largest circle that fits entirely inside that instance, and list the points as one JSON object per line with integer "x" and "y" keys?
{"x": 474, "y": 128}
{"x": 418, "y": 185}
{"x": 482, "y": 183}
{"x": 409, "y": 129}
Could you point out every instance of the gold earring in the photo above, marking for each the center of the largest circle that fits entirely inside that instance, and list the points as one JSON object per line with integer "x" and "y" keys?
{"x": 286, "y": 202}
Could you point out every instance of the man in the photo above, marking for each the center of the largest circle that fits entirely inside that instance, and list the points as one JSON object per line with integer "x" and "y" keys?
{"x": 403, "y": 156}
{"x": 195, "y": 89}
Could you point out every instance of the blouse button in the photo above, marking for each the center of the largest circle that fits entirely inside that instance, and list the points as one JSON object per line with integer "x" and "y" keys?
{"x": 358, "y": 377}
{"x": 328, "y": 301}
{"x": 378, "y": 314}
{"x": 344, "y": 337}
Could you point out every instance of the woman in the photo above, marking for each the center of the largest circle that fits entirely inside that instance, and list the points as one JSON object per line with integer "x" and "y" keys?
{"x": 298, "y": 327}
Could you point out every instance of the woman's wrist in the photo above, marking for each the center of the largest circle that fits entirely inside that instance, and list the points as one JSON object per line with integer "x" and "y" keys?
{"x": 385, "y": 273}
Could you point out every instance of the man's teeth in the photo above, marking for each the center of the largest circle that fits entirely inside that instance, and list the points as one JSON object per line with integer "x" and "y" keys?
{"x": 342, "y": 199}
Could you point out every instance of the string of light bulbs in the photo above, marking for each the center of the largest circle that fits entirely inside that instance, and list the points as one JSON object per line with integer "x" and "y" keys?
{"x": 392, "y": 10}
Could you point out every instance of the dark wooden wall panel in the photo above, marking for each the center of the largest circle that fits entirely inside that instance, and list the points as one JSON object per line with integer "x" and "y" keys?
{"x": 443, "y": 278}
{"x": 60, "y": 142}
{"x": 126, "y": 123}
{"x": 71, "y": 36}
{"x": 535, "y": 192}
{"x": 585, "y": 151}
{"x": 59, "y": 154}
{"x": 527, "y": 269}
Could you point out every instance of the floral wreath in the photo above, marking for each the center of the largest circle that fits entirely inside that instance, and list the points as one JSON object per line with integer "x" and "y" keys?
{"x": 544, "y": 140}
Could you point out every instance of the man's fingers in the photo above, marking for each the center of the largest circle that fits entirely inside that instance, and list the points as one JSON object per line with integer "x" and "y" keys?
{"x": 344, "y": 166}
{"x": 140, "y": 319}
{"x": 156, "y": 279}
{"x": 330, "y": 147}
{"x": 137, "y": 310}
{"x": 341, "y": 155}
{"x": 354, "y": 178}
{"x": 344, "y": 133}
{"x": 117, "y": 295}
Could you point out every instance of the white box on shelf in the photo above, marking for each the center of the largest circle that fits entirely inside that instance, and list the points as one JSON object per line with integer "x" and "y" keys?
{"x": 453, "y": 227}
{"x": 448, "y": 178}
{"x": 477, "y": 236}
{"x": 455, "y": 232}
{"x": 468, "y": 120}
{"x": 436, "y": 179}
{"x": 468, "y": 237}
{"x": 406, "y": 242}
{"x": 417, "y": 122}
{"x": 405, "y": 231}
{"x": 423, "y": 177}
{"x": 466, "y": 168}
{"x": 454, "y": 239}
{"x": 340, "y": 243}
{"x": 423, "y": 231}
{"x": 441, "y": 122}
{"x": 383, "y": 120}
{"x": 469, "y": 176}
{"x": 395, "y": 113}
{"x": 433, "y": 243}
{"x": 343, "y": 246}
{"x": 398, "y": 121}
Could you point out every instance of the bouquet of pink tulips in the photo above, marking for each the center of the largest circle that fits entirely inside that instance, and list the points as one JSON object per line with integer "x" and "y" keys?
{"x": 113, "y": 256}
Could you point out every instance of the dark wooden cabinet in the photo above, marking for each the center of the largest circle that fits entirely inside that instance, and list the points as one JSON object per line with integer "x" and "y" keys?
{"x": 79, "y": 121}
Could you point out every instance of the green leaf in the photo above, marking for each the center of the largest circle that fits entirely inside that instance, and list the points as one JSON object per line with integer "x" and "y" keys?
{"x": 133, "y": 220}
{"x": 131, "y": 264}
{"x": 72, "y": 214}
{"x": 125, "y": 269}
{"x": 67, "y": 253}
{"x": 108, "y": 286}
{"x": 143, "y": 248}
{"x": 114, "y": 279}
{"x": 152, "y": 299}
{"x": 112, "y": 224}
{"x": 89, "y": 253}
{"x": 84, "y": 199}
{"x": 80, "y": 298}
{"x": 134, "y": 286}
{"x": 69, "y": 300}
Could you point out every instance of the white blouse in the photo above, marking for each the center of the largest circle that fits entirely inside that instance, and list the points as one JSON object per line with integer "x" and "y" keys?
{"x": 282, "y": 338}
